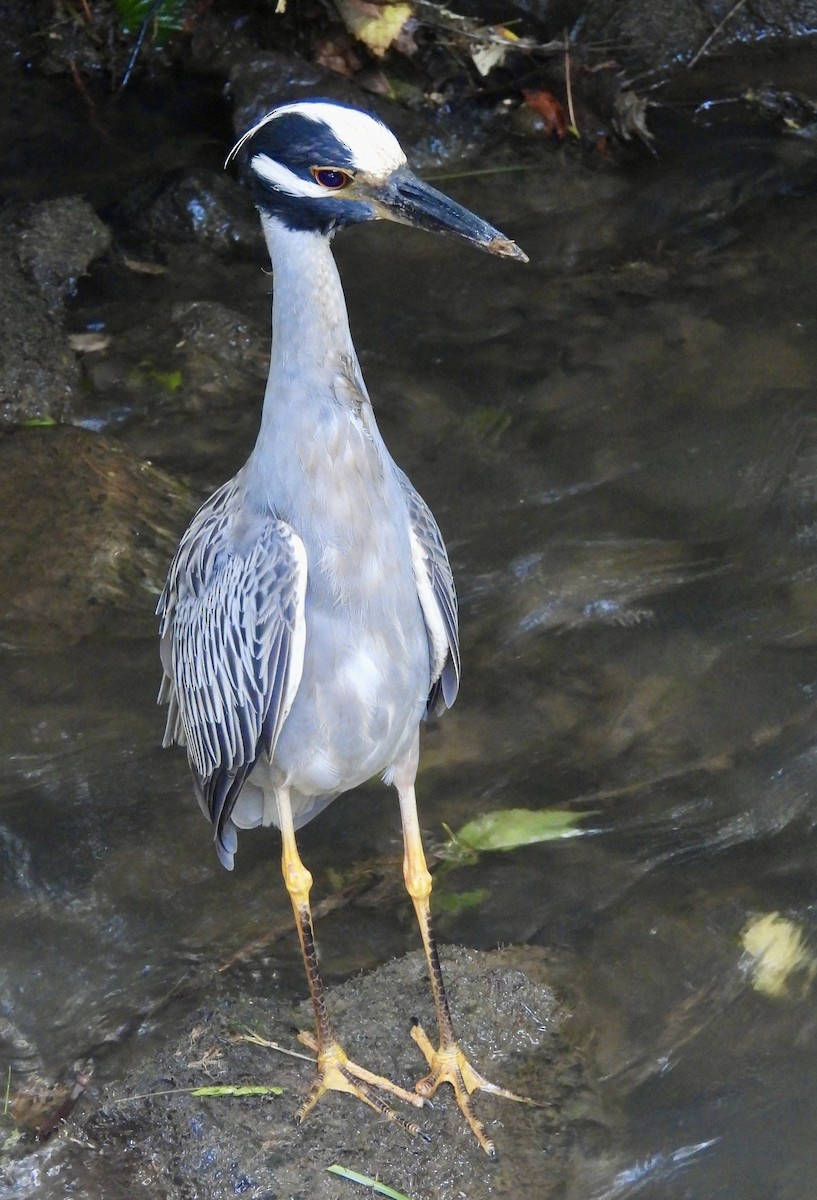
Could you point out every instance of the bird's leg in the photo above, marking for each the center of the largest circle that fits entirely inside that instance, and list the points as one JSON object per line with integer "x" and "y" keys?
{"x": 336, "y": 1072}
{"x": 447, "y": 1062}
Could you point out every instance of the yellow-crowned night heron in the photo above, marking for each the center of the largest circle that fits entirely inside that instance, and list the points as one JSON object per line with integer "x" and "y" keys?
{"x": 309, "y": 620}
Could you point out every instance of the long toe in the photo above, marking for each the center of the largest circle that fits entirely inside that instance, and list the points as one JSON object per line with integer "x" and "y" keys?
{"x": 337, "y": 1073}
{"x": 449, "y": 1064}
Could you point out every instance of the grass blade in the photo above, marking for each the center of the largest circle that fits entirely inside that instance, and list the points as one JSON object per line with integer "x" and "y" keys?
{"x": 373, "y": 1185}
{"x": 227, "y": 1089}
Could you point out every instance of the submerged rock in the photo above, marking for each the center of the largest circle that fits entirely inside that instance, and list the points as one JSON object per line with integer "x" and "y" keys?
{"x": 87, "y": 534}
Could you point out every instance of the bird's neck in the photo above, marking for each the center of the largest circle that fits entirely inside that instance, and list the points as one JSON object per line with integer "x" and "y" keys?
{"x": 310, "y": 326}
{"x": 319, "y": 459}
{"x": 312, "y": 350}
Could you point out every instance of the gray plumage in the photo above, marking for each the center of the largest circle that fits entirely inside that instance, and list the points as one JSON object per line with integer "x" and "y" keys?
{"x": 309, "y": 618}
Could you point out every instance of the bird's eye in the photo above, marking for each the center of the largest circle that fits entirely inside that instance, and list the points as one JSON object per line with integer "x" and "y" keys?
{"x": 332, "y": 178}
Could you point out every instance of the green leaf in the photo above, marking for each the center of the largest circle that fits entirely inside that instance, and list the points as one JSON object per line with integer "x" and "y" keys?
{"x": 170, "y": 380}
{"x": 511, "y": 827}
{"x": 167, "y": 17}
{"x": 374, "y": 1185}
{"x": 38, "y": 423}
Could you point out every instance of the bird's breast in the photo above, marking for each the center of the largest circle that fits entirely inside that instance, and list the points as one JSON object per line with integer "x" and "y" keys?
{"x": 361, "y": 696}
{"x": 366, "y": 662}
{"x": 338, "y": 490}
{"x": 366, "y": 669}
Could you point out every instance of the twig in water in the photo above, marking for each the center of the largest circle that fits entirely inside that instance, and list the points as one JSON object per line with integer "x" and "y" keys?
{"x": 137, "y": 45}
{"x": 255, "y": 1039}
{"x": 703, "y": 49}
{"x": 482, "y": 171}
{"x": 573, "y": 127}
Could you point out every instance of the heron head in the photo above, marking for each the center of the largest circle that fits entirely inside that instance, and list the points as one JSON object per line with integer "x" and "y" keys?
{"x": 318, "y": 165}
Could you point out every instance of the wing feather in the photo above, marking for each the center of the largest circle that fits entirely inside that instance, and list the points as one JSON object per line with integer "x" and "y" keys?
{"x": 438, "y": 599}
{"x": 233, "y": 632}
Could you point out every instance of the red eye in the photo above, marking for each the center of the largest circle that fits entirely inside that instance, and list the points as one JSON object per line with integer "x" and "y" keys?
{"x": 331, "y": 178}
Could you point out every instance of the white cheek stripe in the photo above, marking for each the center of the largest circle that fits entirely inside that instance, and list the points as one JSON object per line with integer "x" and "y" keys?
{"x": 285, "y": 180}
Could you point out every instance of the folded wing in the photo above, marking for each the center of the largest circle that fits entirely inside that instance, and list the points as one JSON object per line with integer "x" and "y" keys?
{"x": 233, "y": 632}
{"x": 438, "y": 599}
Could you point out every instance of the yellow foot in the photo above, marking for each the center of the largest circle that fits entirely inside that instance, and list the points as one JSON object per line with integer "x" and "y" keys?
{"x": 337, "y": 1073}
{"x": 449, "y": 1065}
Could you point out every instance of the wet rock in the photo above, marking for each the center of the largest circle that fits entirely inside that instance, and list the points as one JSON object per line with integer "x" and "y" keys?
{"x": 20, "y": 24}
{"x": 204, "y": 207}
{"x": 663, "y": 33}
{"x": 38, "y": 369}
{"x": 88, "y": 534}
{"x": 57, "y": 243}
{"x": 261, "y": 81}
{"x": 509, "y": 1021}
{"x": 223, "y": 350}
{"x": 44, "y": 254}
{"x": 219, "y": 36}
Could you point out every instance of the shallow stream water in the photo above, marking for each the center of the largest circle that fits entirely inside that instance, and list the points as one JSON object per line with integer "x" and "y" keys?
{"x": 619, "y": 443}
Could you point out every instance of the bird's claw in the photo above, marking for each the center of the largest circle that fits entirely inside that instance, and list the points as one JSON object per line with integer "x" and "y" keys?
{"x": 337, "y": 1073}
{"x": 449, "y": 1064}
